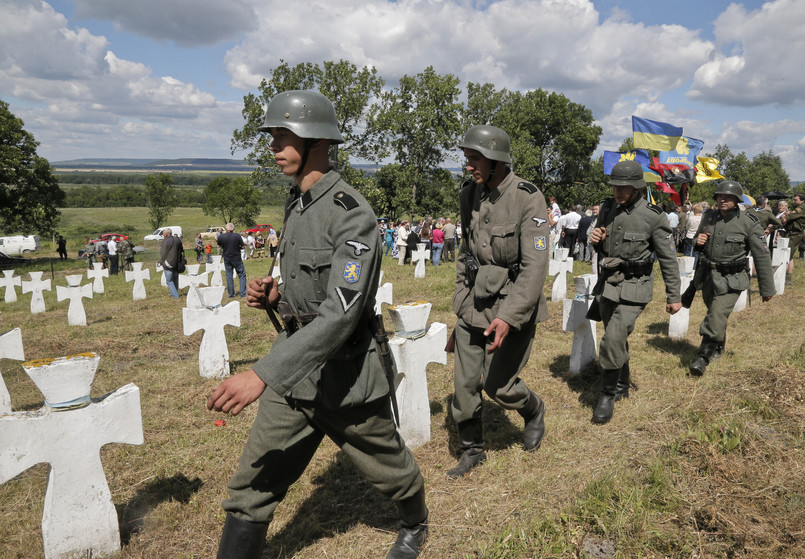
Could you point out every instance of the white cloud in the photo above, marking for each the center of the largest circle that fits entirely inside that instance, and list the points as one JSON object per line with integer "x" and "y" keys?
{"x": 185, "y": 22}
{"x": 758, "y": 59}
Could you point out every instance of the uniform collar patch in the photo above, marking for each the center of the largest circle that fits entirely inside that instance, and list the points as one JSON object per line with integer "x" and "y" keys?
{"x": 352, "y": 271}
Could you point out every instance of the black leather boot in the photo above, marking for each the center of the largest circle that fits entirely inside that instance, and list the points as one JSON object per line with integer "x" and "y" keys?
{"x": 471, "y": 439}
{"x": 706, "y": 351}
{"x": 719, "y": 351}
{"x": 413, "y": 530}
{"x": 534, "y": 415}
{"x": 622, "y": 388}
{"x": 606, "y": 401}
{"x": 242, "y": 539}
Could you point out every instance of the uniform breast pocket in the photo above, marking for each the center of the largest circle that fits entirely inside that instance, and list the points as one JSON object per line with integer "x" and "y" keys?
{"x": 314, "y": 263}
{"x": 505, "y": 244}
{"x": 734, "y": 246}
{"x": 634, "y": 244}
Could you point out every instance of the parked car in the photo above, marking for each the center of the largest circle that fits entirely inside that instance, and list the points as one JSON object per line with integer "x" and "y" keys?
{"x": 19, "y": 244}
{"x": 157, "y": 235}
{"x": 262, "y": 228}
{"x": 209, "y": 234}
{"x": 6, "y": 260}
{"x": 109, "y": 236}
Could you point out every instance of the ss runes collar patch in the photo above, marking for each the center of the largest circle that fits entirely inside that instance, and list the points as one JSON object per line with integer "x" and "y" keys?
{"x": 352, "y": 271}
{"x": 540, "y": 243}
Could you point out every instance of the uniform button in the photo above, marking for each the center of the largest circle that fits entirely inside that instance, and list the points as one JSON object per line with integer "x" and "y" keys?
{"x": 293, "y": 275}
{"x": 620, "y": 227}
{"x": 293, "y": 243}
{"x": 486, "y": 220}
{"x": 484, "y": 244}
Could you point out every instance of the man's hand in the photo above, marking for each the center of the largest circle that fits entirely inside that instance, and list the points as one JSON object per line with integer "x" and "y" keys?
{"x": 766, "y": 298}
{"x": 262, "y": 292}
{"x": 597, "y": 235}
{"x": 501, "y": 329}
{"x": 236, "y": 392}
{"x": 702, "y": 239}
{"x": 673, "y": 308}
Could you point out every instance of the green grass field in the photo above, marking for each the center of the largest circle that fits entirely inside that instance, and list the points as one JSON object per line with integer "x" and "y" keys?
{"x": 709, "y": 467}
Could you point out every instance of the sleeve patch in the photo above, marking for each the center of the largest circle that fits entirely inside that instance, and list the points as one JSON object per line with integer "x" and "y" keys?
{"x": 528, "y": 187}
{"x": 358, "y": 247}
{"x": 540, "y": 243}
{"x": 352, "y": 271}
{"x": 348, "y": 297}
{"x": 655, "y": 208}
{"x": 345, "y": 200}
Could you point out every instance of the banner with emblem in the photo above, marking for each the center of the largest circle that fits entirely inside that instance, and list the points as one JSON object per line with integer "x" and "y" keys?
{"x": 685, "y": 153}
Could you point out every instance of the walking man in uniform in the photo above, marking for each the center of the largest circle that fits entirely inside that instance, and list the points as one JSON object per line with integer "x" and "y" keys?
{"x": 501, "y": 269}
{"x": 794, "y": 225}
{"x": 323, "y": 375}
{"x": 627, "y": 231}
{"x": 724, "y": 238}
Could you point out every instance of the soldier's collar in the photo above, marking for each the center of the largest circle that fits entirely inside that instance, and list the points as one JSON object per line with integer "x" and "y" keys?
{"x": 494, "y": 194}
{"x": 319, "y": 189}
{"x": 630, "y": 204}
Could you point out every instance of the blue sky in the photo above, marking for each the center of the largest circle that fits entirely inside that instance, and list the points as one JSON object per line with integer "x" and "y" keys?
{"x": 166, "y": 78}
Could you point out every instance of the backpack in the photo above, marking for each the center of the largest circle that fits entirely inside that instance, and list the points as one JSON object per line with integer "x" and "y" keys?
{"x": 181, "y": 262}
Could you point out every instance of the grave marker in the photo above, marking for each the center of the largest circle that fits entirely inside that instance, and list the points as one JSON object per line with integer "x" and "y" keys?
{"x": 79, "y": 518}
{"x": 384, "y": 294}
{"x": 574, "y": 319}
{"x": 779, "y": 260}
{"x": 213, "y": 354}
{"x": 413, "y": 346}
{"x": 97, "y": 274}
{"x": 138, "y": 276}
{"x": 10, "y": 348}
{"x": 216, "y": 269}
{"x": 9, "y": 280}
{"x": 35, "y": 287}
{"x": 559, "y": 266}
{"x": 420, "y": 255}
{"x": 75, "y": 292}
{"x": 678, "y": 323}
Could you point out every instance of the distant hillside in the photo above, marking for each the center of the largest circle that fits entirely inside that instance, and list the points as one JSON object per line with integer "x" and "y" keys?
{"x": 164, "y": 165}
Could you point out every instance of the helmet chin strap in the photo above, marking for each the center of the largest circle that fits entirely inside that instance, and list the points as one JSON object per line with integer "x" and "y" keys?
{"x": 492, "y": 171}
{"x": 305, "y": 153}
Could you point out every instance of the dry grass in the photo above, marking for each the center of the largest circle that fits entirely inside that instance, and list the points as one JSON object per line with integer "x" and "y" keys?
{"x": 709, "y": 467}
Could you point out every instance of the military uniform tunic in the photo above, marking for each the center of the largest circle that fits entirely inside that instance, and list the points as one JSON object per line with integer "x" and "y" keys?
{"x": 508, "y": 234}
{"x": 794, "y": 226}
{"x": 633, "y": 231}
{"x": 731, "y": 238}
{"x": 326, "y": 378}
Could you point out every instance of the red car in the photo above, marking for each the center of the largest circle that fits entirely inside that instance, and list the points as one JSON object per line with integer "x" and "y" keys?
{"x": 116, "y": 236}
{"x": 262, "y": 228}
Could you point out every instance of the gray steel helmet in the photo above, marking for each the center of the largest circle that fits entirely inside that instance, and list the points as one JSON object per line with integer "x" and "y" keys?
{"x": 731, "y": 187}
{"x": 308, "y": 114}
{"x": 627, "y": 173}
{"x": 491, "y": 141}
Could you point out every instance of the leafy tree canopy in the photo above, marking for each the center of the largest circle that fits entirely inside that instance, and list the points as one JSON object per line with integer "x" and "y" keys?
{"x": 160, "y": 197}
{"x": 29, "y": 191}
{"x": 234, "y": 200}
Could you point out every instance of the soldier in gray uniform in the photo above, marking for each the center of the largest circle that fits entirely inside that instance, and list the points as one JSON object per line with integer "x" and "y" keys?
{"x": 501, "y": 269}
{"x": 724, "y": 238}
{"x": 323, "y": 375}
{"x": 626, "y": 232}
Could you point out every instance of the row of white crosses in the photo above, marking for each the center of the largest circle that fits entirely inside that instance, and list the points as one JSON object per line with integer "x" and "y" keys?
{"x": 67, "y": 433}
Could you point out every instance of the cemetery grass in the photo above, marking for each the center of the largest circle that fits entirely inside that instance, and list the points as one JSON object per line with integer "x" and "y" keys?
{"x": 707, "y": 467}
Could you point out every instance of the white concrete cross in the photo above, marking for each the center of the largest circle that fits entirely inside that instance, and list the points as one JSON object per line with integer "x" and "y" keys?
{"x": 216, "y": 269}
{"x": 192, "y": 280}
{"x": 384, "y": 294}
{"x": 75, "y": 292}
{"x": 9, "y": 280}
{"x": 740, "y": 304}
{"x": 574, "y": 319}
{"x": 35, "y": 287}
{"x": 138, "y": 276}
{"x": 97, "y": 274}
{"x": 10, "y": 348}
{"x": 678, "y": 323}
{"x": 192, "y": 269}
{"x": 163, "y": 282}
{"x": 559, "y": 266}
{"x": 420, "y": 255}
{"x": 79, "y": 518}
{"x": 213, "y": 354}
{"x": 779, "y": 260}
{"x": 413, "y": 347}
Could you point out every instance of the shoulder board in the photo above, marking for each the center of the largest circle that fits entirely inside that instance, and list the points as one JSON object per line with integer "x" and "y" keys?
{"x": 345, "y": 200}
{"x": 751, "y": 216}
{"x": 655, "y": 208}
{"x": 527, "y": 186}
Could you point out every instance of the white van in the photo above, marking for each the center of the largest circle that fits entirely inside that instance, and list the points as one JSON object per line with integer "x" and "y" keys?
{"x": 157, "y": 235}
{"x": 19, "y": 244}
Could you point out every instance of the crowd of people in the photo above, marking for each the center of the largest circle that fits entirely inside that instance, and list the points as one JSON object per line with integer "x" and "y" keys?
{"x": 440, "y": 236}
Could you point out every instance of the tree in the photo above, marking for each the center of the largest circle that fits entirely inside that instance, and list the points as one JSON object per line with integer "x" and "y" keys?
{"x": 553, "y": 138}
{"x": 29, "y": 192}
{"x": 764, "y": 172}
{"x": 160, "y": 197}
{"x": 234, "y": 200}
{"x": 349, "y": 88}
{"x": 419, "y": 122}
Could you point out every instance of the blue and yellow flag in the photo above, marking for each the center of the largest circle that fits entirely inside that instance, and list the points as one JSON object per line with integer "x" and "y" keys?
{"x": 650, "y": 134}
{"x": 611, "y": 158}
{"x": 685, "y": 153}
